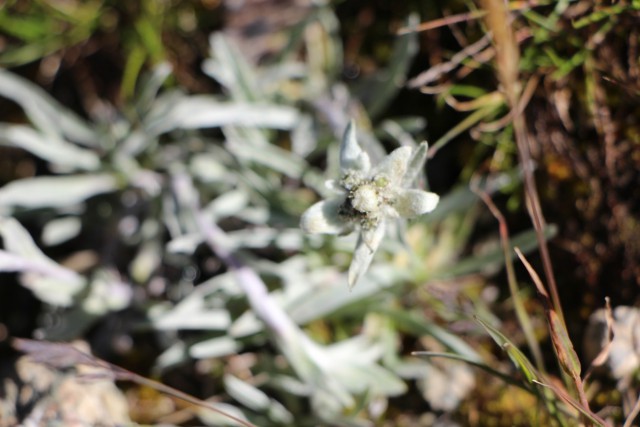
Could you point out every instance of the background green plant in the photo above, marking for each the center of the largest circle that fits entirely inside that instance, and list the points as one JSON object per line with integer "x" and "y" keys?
{"x": 172, "y": 201}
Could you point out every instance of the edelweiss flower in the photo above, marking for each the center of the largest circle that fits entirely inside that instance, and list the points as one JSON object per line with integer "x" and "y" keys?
{"x": 366, "y": 197}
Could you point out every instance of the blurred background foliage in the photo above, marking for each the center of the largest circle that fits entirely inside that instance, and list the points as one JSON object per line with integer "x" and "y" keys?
{"x": 154, "y": 152}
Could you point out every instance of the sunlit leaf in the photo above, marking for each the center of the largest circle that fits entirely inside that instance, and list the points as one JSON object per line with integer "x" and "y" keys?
{"x": 228, "y": 66}
{"x": 60, "y": 153}
{"x": 255, "y": 399}
{"x": 54, "y": 191}
{"x": 216, "y": 419}
{"x": 213, "y": 348}
{"x": 416, "y": 165}
{"x": 60, "y": 230}
{"x": 107, "y": 292}
{"x": 193, "y": 313}
{"x": 51, "y": 282}
{"x": 203, "y": 111}
{"x": 245, "y": 393}
{"x": 45, "y": 112}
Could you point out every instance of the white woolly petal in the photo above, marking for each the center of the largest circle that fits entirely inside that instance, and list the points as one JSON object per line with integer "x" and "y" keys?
{"x": 323, "y": 218}
{"x": 352, "y": 157}
{"x": 368, "y": 243}
{"x": 389, "y": 211}
{"x": 416, "y": 164}
{"x": 334, "y": 185}
{"x": 411, "y": 203}
{"x": 394, "y": 166}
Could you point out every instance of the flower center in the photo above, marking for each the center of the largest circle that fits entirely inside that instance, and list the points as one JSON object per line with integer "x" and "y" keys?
{"x": 365, "y": 198}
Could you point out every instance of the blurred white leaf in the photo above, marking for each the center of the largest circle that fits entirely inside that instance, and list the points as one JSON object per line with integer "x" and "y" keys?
{"x": 289, "y": 239}
{"x": 624, "y": 352}
{"x": 184, "y": 317}
{"x": 134, "y": 143}
{"x": 228, "y": 66}
{"x": 245, "y": 393}
{"x": 207, "y": 168}
{"x": 326, "y": 294}
{"x": 226, "y": 205}
{"x": 45, "y": 112}
{"x": 60, "y": 230}
{"x": 216, "y": 419}
{"x": 203, "y": 111}
{"x": 279, "y": 413}
{"x": 213, "y": 348}
{"x": 368, "y": 242}
{"x": 54, "y": 191}
{"x": 146, "y": 261}
{"x": 267, "y": 155}
{"x": 52, "y": 148}
{"x": 416, "y": 165}
{"x": 446, "y": 384}
{"x": 257, "y": 215}
{"x": 291, "y": 384}
{"x": 107, "y": 293}
{"x": 303, "y": 138}
{"x": 150, "y": 87}
{"x": 353, "y": 362}
{"x": 255, "y": 399}
{"x": 49, "y": 281}
{"x": 193, "y": 313}
{"x": 245, "y": 325}
{"x": 174, "y": 355}
{"x": 369, "y": 378}
{"x": 185, "y": 244}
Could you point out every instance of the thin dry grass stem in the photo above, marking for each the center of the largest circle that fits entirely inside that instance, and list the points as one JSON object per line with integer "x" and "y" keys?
{"x": 534, "y": 276}
{"x": 462, "y": 17}
{"x": 65, "y": 356}
{"x": 435, "y": 72}
{"x": 56, "y": 355}
{"x": 498, "y": 22}
{"x": 527, "y": 94}
{"x": 474, "y": 104}
{"x": 441, "y": 22}
{"x": 468, "y": 59}
{"x": 435, "y": 90}
{"x": 460, "y": 74}
{"x": 130, "y": 376}
{"x": 507, "y": 53}
{"x": 565, "y": 353}
{"x": 521, "y": 312}
{"x": 566, "y": 398}
{"x": 535, "y": 210}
